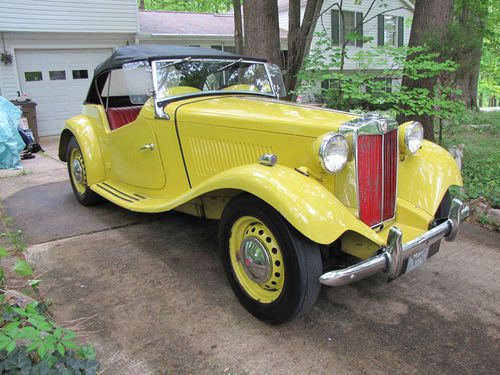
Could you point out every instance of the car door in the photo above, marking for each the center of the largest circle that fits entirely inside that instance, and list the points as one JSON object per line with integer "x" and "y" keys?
{"x": 135, "y": 157}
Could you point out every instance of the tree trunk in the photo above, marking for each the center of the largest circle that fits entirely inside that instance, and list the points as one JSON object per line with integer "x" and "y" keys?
{"x": 430, "y": 21}
{"x": 300, "y": 37}
{"x": 262, "y": 38}
{"x": 471, "y": 19}
{"x": 141, "y": 4}
{"x": 238, "y": 28}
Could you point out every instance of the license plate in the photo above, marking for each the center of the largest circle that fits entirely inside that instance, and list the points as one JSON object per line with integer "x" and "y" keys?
{"x": 417, "y": 259}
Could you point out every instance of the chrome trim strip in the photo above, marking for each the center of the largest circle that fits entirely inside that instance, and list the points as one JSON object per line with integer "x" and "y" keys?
{"x": 390, "y": 260}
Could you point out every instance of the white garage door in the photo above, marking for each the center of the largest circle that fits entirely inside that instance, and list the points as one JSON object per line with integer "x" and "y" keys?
{"x": 58, "y": 81}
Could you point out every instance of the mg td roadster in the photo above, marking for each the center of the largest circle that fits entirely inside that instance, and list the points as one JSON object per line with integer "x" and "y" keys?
{"x": 305, "y": 196}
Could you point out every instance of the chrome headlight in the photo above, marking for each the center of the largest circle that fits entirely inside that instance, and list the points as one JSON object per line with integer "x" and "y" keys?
{"x": 413, "y": 136}
{"x": 333, "y": 152}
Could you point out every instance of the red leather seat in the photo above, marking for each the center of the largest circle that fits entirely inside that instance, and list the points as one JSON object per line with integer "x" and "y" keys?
{"x": 117, "y": 117}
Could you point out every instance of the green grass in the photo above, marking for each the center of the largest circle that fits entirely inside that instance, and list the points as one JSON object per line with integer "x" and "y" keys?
{"x": 481, "y": 160}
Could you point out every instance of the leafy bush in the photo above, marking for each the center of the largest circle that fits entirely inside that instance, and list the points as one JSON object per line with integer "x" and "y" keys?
{"x": 367, "y": 86}
{"x": 31, "y": 343}
{"x": 480, "y": 135}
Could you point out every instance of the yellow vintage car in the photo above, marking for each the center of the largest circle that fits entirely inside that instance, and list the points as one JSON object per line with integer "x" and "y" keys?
{"x": 305, "y": 196}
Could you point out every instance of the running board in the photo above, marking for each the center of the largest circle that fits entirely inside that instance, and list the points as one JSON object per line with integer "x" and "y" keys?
{"x": 110, "y": 189}
{"x": 126, "y": 198}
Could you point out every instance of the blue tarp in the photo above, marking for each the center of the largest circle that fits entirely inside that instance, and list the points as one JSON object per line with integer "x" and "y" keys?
{"x": 11, "y": 143}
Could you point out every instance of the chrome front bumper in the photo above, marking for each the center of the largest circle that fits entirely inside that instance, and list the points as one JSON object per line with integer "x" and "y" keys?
{"x": 392, "y": 256}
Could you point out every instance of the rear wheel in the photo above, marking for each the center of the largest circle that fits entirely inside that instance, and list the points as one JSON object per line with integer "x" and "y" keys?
{"x": 272, "y": 268}
{"x": 78, "y": 175}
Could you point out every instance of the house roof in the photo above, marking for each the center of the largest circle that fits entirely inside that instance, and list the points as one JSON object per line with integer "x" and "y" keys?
{"x": 187, "y": 23}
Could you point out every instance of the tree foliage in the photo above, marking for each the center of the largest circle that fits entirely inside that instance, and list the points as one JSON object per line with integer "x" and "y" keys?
{"x": 209, "y": 6}
{"x": 365, "y": 88}
{"x": 489, "y": 82}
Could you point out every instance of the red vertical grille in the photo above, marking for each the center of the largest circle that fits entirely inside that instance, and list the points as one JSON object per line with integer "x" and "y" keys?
{"x": 390, "y": 174}
{"x": 377, "y": 173}
{"x": 370, "y": 178}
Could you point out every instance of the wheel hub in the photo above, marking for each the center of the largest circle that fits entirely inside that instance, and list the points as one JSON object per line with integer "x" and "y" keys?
{"x": 255, "y": 260}
{"x": 78, "y": 170}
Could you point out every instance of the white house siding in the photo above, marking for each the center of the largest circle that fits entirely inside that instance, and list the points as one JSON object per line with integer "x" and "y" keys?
{"x": 54, "y": 35}
{"x": 369, "y": 29}
{"x": 71, "y": 16}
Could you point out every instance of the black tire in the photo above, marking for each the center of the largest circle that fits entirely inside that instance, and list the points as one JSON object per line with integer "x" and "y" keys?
{"x": 441, "y": 213}
{"x": 301, "y": 261}
{"x": 82, "y": 192}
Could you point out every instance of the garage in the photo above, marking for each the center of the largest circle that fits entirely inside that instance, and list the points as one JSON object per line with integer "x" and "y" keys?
{"x": 57, "y": 80}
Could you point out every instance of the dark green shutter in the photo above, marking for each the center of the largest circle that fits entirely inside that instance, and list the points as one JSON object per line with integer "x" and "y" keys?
{"x": 380, "y": 30}
{"x": 359, "y": 28}
{"x": 401, "y": 23}
{"x": 335, "y": 28}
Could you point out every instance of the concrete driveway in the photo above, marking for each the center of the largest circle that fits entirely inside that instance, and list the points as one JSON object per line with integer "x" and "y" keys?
{"x": 157, "y": 301}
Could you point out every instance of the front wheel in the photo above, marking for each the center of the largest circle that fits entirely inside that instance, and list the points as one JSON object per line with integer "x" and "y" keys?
{"x": 272, "y": 268}
{"x": 78, "y": 175}
{"x": 441, "y": 214}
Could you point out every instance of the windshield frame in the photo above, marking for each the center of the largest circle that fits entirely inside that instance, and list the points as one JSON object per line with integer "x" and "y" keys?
{"x": 159, "y": 104}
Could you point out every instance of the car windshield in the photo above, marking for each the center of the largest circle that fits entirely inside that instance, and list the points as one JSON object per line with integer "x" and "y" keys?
{"x": 201, "y": 76}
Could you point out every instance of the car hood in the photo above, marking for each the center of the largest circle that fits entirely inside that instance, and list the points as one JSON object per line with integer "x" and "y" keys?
{"x": 260, "y": 114}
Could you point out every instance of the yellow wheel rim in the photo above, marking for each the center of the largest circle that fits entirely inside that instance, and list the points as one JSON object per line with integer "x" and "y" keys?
{"x": 77, "y": 167}
{"x": 256, "y": 259}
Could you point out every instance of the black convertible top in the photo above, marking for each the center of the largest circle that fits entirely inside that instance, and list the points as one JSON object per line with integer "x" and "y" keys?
{"x": 141, "y": 52}
{"x": 149, "y": 52}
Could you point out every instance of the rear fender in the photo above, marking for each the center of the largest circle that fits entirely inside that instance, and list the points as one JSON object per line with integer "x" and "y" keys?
{"x": 81, "y": 128}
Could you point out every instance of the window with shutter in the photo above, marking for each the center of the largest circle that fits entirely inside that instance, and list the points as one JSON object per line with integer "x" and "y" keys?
{"x": 346, "y": 23}
{"x": 390, "y": 30}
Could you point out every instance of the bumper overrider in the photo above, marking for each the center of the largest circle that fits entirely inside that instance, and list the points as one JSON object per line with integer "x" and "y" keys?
{"x": 392, "y": 256}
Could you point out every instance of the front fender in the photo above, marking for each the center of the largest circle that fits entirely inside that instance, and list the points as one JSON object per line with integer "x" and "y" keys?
{"x": 425, "y": 177}
{"x": 303, "y": 202}
{"x": 81, "y": 128}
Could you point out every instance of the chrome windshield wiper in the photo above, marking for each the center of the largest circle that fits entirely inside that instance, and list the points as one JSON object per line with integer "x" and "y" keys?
{"x": 177, "y": 62}
{"x": 229, "y": 65}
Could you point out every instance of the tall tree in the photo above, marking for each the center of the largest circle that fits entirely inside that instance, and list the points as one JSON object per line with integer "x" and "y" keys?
{"x": 300, "y": 36}
{"x": 262, "y": 36}
{"x": 471, "y": 28}
{"x": 431, "y": 21}
{"x": 238, "y": 27}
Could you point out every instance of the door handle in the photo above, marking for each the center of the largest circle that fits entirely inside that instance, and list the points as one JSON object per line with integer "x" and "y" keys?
{"x": 149, "y": 147}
